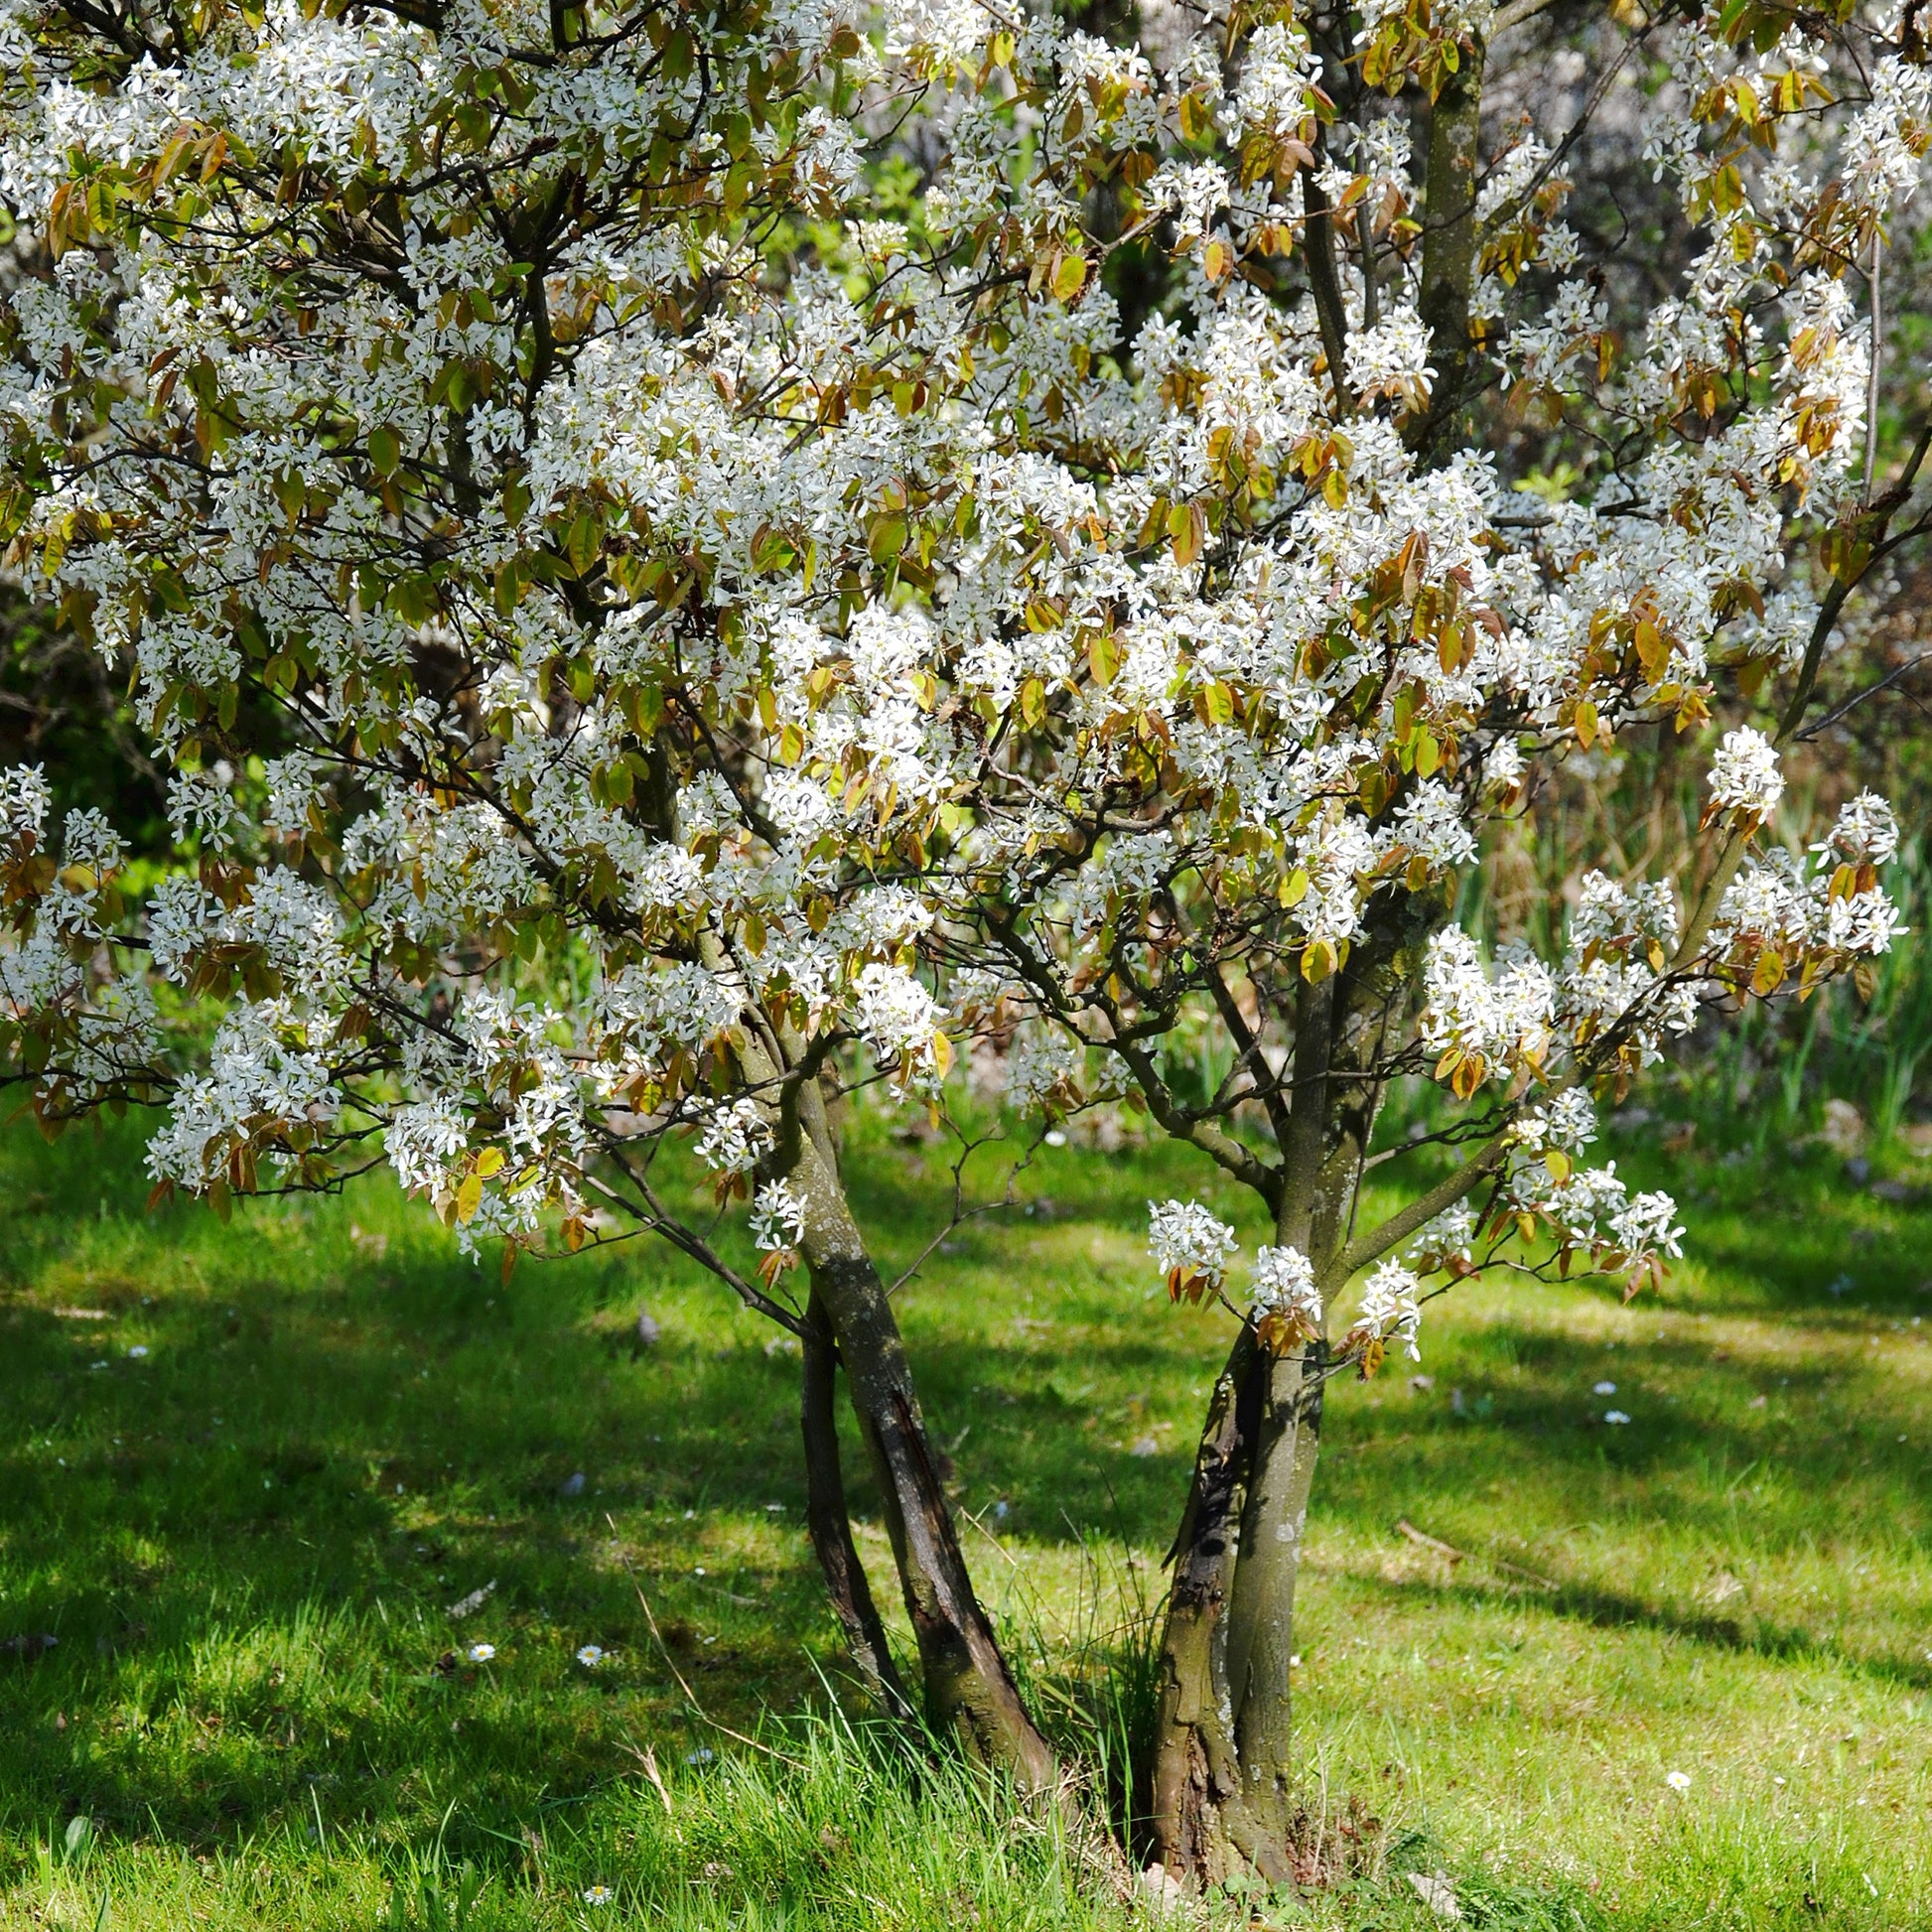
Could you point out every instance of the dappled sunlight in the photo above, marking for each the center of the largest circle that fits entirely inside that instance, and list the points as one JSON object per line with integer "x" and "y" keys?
{"x": 250, "y": 1539}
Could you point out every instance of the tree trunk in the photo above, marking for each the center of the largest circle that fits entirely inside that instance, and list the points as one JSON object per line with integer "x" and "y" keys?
{"x": 1222, "y": 1785}
{"x": 1261, "y": 1615}
{"x": 969, "y": 1689}
{"x": 827, "y": 1519}
{"x": 1221, "y": 1791}
{"x": 970, "y": 1693}
{"x": 1448, "y": 262}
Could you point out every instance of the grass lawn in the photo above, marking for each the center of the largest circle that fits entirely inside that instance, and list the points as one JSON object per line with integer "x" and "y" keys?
{"x": 248, "y": 1471}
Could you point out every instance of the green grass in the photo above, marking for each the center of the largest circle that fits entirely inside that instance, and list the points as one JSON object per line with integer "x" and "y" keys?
{"x": 259, "y": 1713}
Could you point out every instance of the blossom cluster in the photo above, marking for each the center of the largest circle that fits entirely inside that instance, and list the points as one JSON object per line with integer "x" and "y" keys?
{"x": 1190, "y": 1246}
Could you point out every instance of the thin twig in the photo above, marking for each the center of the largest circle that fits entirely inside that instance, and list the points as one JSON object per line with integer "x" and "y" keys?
{"x": 690, "y": 1696}
{"x": 1859, "y": 697}
{"x": 1871, "y": 374}
{"x": 961, "y": 1213}
{"x": 1425, "y": 1540}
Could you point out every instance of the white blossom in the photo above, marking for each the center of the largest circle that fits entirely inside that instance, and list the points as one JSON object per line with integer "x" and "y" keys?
{"x": 733, "y": 1138}
{"x": 1388, "y": 1311}
{"x": 1745, "y": 774}
{"x": 1284, "y": 1285}
{"x": 896, "y": 1015}
{"x": 1186, "y": 1239}
{"x": 777, "y": 1217}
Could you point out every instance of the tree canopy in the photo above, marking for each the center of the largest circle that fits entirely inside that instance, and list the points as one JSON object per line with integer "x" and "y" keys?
{"x": 654, "y": 624}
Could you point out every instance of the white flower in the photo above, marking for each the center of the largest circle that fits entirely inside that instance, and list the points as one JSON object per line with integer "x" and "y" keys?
{"x": 777, "y": 1217}
{"x": 590, "y": 1656}
{"x": 1284, "y": 1283}
{"x": 24, "y": 797}
{"x": 1189, "y": 1244}
{"x": 1603, "y": 1388}
{"x": 1042, "y": 1061}
{"x": 1745, "y": 774}
{"x": 1431, "y": 823}
{"x": 1498, "y": 1022}
{"x": 1866, "y": 832}
{"x": 1389, "y": 1311}
{"x": 1678, "y": 1780}
{"x": 1867, "y": 922}
{"x": 200, "y": 806}
{"x": 896, "y": 1015}
{"x": 733, "y": 1138}
{"x": 1450, "y": 1237}
{"x": 294, "y": 787}
{"x": 1276, "y": 78}
{"x": 1392, "y": 358}
{"x": 598, "y": 1895}
{"x": 482, "y": 1653}
{"x": 1615, "y": 1417}
{"x": 1503, "y": 769}
{"x": 89, "y": 840}
{"x": 1643, "y": 1227}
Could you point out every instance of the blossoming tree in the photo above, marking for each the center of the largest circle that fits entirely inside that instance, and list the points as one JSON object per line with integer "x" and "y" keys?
{"x": 1298, "y": 645}
{"x": 403, "y": 394}
{"x": 645, "y": 643}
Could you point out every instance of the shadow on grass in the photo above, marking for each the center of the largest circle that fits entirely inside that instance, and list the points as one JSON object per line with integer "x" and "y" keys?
{"x": 248, "y": 1471}
{"x": 247, "y": 1539}
{"x": 1609, "y": 1609}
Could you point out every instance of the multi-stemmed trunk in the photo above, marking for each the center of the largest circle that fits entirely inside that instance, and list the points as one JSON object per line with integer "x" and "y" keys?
{"x": 969, "y": 1689}
{"x": 1222, "y": 1784}
{"x": 970, "y": 1692}
{"x": 1221, "y": 1781}
{"x": 829, "y": 1521}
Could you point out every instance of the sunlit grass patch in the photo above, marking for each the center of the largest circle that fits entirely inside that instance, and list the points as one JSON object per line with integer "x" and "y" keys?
{"x": 268, "y": 1545}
